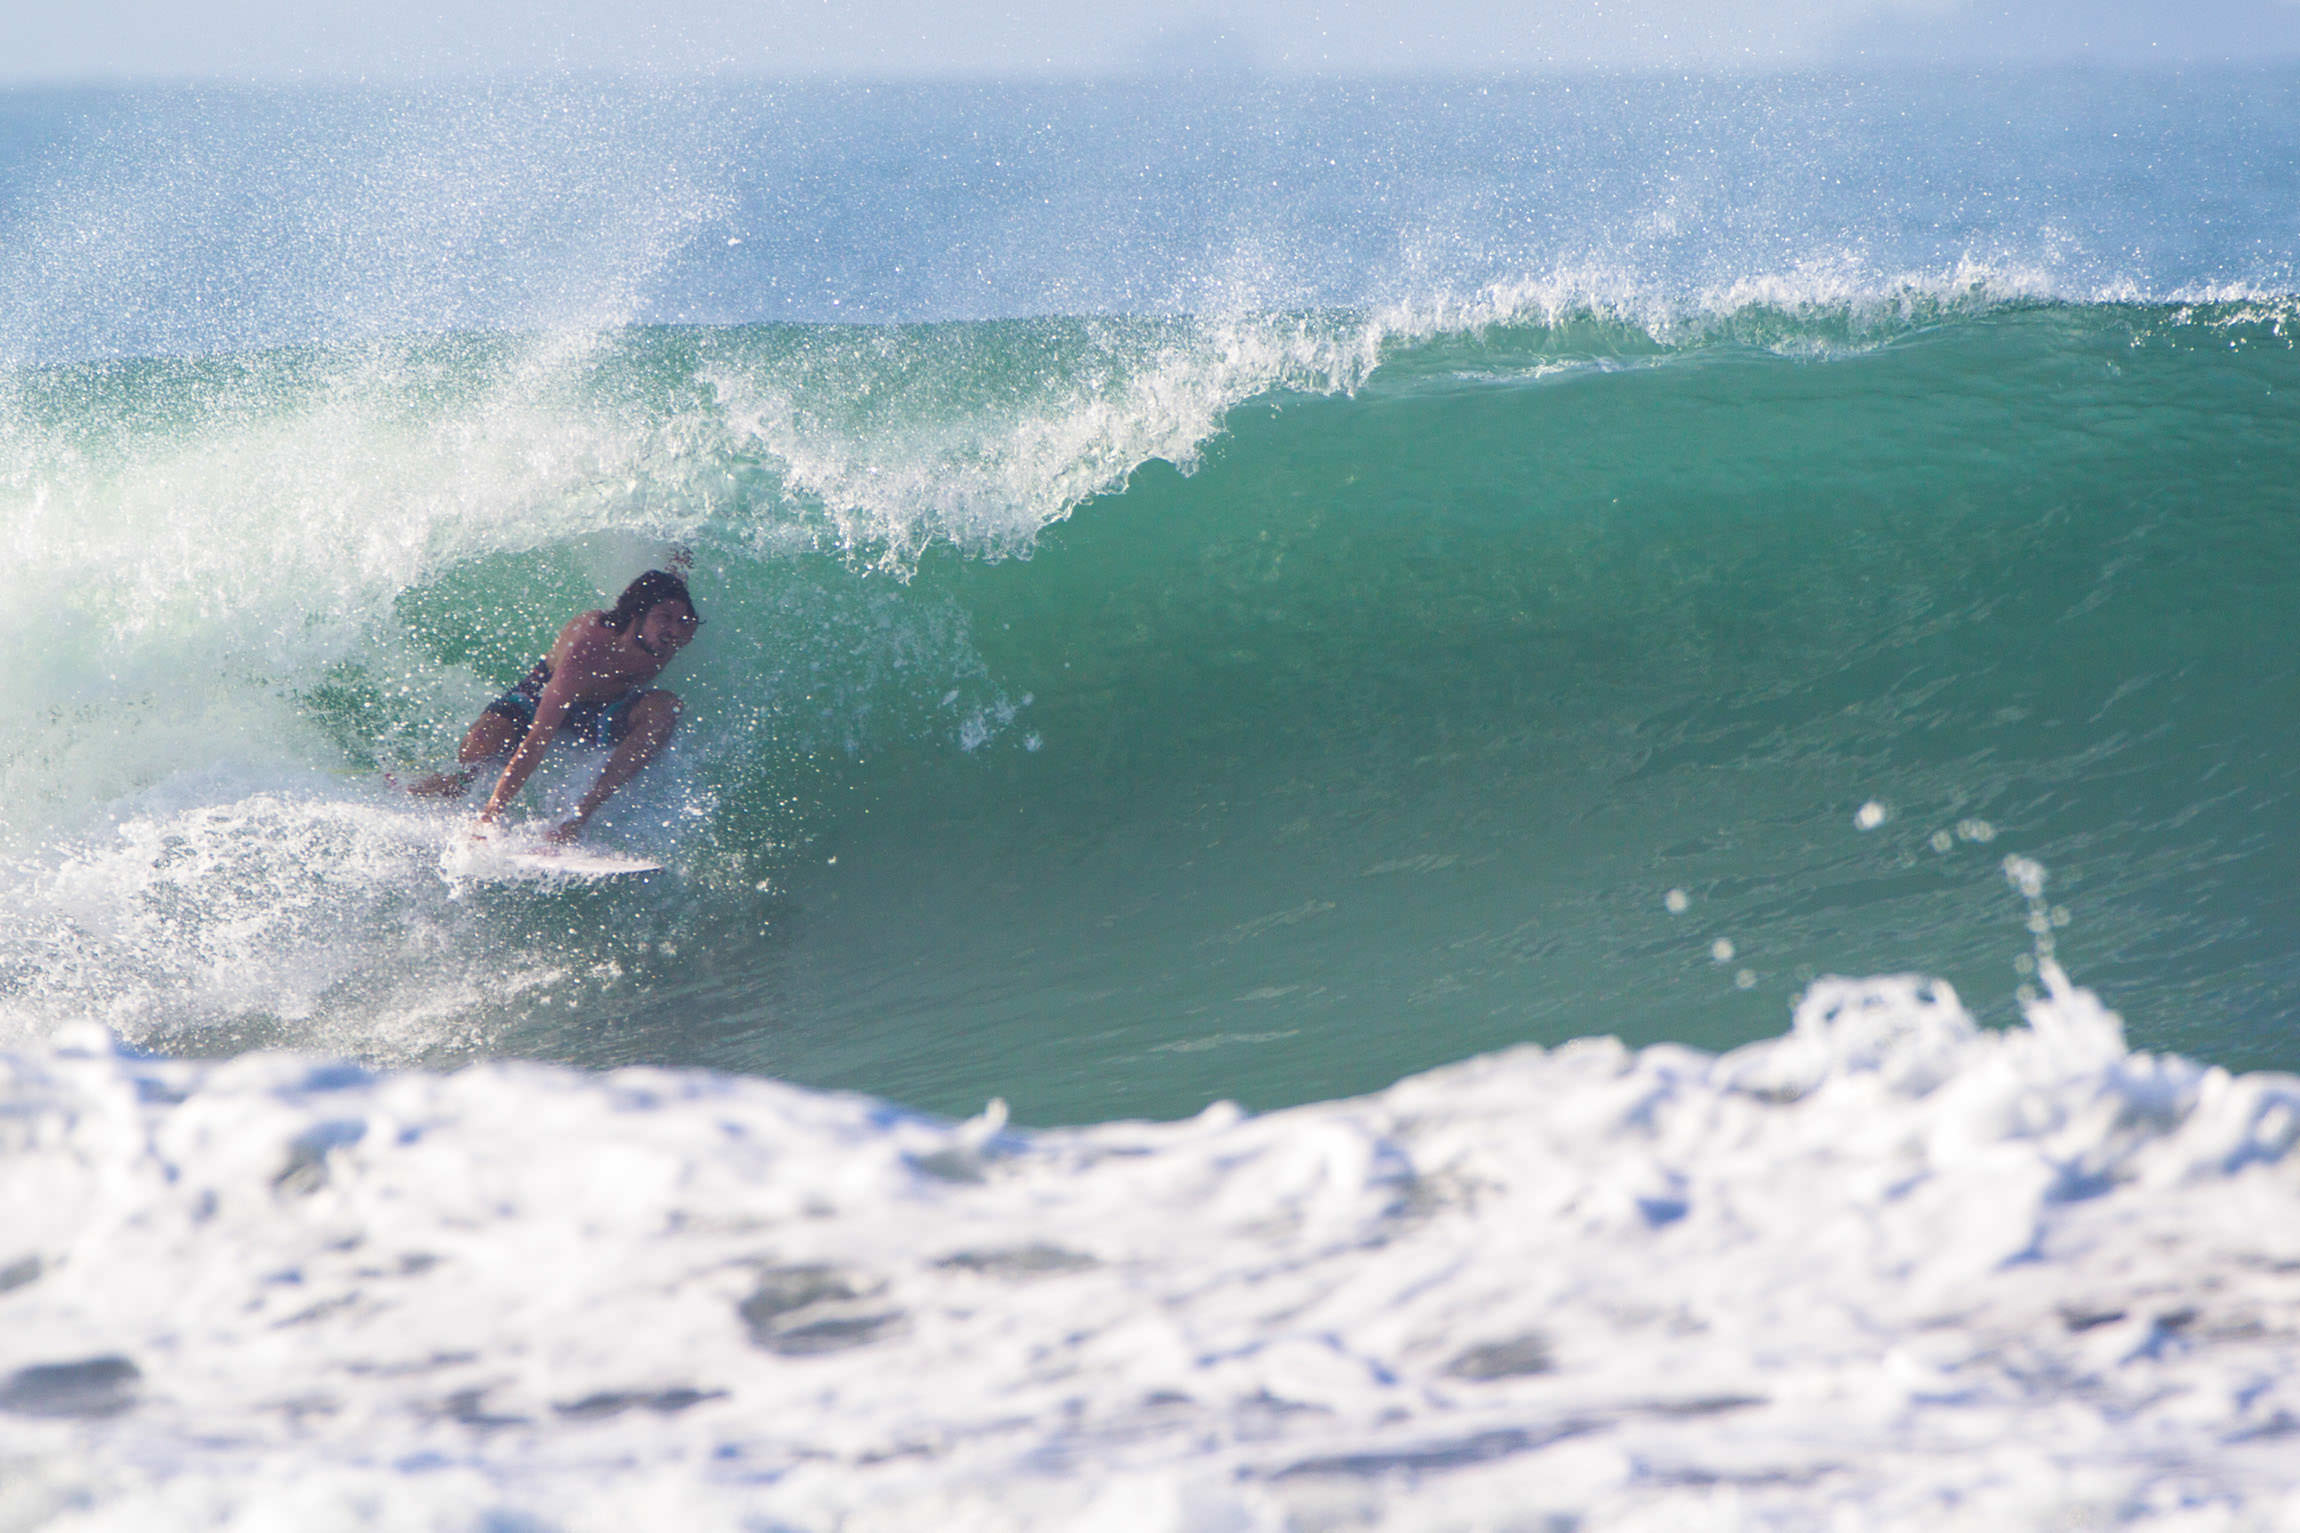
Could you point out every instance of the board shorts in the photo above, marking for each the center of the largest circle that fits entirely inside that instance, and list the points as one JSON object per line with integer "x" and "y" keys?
{"x": 585, "y": 723}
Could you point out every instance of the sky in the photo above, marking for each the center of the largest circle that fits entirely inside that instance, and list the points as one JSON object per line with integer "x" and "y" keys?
{"x": 42, "y": 41}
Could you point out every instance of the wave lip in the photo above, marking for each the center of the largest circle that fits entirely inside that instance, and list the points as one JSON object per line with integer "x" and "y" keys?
{"x": 1886, "y": 1264}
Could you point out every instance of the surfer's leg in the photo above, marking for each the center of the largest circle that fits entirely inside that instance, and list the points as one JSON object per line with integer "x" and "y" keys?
{"x": 641, "y": 727}
{"x": 492, "y": 735}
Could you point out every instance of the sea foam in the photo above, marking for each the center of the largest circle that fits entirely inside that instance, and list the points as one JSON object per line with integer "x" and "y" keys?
{"x": 1890, "y": 1270}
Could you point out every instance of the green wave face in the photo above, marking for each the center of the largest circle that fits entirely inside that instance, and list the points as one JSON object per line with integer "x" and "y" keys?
{"x": 1112, "y": 715}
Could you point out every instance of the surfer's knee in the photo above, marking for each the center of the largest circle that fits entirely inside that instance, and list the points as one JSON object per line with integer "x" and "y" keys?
{"x": 657, "y": 713}
{"x": 490, "y": 735}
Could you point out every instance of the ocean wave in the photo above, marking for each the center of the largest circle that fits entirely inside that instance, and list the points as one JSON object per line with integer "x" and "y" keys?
{"x": 1511, "y": 566}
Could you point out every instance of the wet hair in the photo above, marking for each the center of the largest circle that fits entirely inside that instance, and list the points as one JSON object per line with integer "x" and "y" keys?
{"x": 641, "y": 596}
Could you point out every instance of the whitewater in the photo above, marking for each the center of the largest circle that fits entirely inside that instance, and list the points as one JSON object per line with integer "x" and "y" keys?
{"x": 1469, "y": 804}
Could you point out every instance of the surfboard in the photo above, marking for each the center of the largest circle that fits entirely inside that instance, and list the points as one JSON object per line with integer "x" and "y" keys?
{"x": 466, "y": 858}
{"x": 574, "y": 863}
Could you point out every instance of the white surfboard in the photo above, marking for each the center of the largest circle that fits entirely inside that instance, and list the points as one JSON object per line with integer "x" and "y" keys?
{"x": 466, "y": 857}
{"x": 576, "y": 863}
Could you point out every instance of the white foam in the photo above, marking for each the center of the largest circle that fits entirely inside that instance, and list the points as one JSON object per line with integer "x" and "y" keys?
{"x": 215, "y": 919}
{"x": 1888, "y": 1271}
{"x": 973, "y": 460}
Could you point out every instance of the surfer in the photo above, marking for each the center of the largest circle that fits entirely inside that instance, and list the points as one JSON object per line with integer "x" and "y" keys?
{"x": 593, "y": 687}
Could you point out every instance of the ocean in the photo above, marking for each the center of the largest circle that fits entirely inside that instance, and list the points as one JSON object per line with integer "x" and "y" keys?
{"x": 1541, "y": 803}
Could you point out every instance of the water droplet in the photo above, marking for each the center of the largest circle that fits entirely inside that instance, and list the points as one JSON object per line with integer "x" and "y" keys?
{"x": 2026, "y": 875}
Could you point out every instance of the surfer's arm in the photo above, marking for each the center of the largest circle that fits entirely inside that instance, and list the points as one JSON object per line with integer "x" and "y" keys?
{"x": 550, "y": 711}
{"x": 574, "y": 655}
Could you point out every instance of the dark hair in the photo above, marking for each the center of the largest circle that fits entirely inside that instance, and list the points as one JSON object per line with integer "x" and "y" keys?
{"x": 641, "y": 596}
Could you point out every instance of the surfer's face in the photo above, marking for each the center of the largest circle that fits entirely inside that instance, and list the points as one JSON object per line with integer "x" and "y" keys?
{"x": 668, "y": 627}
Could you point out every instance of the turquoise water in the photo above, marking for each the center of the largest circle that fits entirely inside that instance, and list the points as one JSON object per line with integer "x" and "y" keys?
{"x": 1379, "y": 740}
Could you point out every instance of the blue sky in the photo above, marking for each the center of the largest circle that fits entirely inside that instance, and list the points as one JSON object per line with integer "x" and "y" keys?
{"x": 276, "y": 39}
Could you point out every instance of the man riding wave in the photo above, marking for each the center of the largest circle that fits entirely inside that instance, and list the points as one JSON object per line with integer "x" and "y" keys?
{"x": 594, "y": 687}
